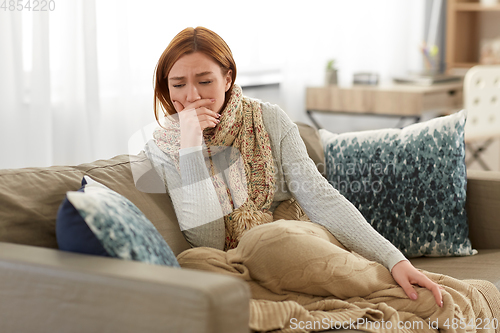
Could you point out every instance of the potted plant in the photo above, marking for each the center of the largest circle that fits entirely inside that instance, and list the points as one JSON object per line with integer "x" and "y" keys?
{"x": 331, "y": 73}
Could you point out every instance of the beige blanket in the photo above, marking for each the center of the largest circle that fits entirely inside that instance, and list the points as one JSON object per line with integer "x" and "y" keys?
{"x": 302, "y": 279}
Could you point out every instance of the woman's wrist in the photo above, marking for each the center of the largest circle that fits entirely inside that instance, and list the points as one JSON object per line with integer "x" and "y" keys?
{"x": 400, "y": 261}
{"x": 190, "y": 140}
{"x": 187, "y": 150}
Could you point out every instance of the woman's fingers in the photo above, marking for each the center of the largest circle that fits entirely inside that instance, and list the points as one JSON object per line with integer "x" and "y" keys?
{"x": 205, "y": 116}
{"x": 194, "y": 118}
{"x": 409, "y": 290}
{"x": 178, "y": 106}
{"x": 425, "y": 282}
{"x": 406, "y": 276}
{"x": 201, "y": 103}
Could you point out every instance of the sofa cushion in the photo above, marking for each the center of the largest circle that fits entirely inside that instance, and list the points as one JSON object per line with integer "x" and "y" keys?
{"x": 29, "y": 199}
{"x": 120, "y": 227}
{"x": 410, "y": 183}
{"x": 314, "y": 147}
{"x": 483, "y": 208}
{"x": 482, "y": 266}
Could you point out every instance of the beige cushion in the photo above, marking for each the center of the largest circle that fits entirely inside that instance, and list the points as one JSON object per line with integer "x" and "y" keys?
{"x": 483, "y": 208}
{"x": 314, "y": 147}
{"x": 31, "y": 197}
{"x": 482, "y": 266}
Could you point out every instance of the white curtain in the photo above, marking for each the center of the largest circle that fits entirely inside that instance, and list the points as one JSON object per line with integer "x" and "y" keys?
{"x": 76, "y": 82}
{"x": 61, "y": 101}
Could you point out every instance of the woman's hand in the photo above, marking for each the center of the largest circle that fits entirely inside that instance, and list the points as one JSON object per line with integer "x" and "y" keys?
{"x": 406, "y": 275}
{"x": 194, "y": 118}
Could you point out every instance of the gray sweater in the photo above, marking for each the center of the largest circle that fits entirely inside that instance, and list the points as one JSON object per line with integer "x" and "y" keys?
{"x": 200, "y": 213}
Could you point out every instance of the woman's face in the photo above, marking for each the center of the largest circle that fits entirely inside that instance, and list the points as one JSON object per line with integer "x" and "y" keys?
{"x": 197, "y": 76}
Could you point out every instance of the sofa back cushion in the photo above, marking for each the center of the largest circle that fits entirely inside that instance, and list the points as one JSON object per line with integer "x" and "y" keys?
{"x": 30, "y": 199}
{"x": 314, "y": 147}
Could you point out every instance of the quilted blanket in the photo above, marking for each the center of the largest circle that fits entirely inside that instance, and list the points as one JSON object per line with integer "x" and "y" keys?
{"x": 302, "y": 280}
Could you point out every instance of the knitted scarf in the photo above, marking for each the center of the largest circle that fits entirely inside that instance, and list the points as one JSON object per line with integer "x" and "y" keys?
{"x": 241, "y": 140}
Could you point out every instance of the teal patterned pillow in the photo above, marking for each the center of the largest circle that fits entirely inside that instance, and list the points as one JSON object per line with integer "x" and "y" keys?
{"x": 123, "y": 230}
{"x": 408, "y": 183}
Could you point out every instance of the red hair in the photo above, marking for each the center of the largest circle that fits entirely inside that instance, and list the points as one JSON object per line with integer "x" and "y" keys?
{"x": 188, "y": 41}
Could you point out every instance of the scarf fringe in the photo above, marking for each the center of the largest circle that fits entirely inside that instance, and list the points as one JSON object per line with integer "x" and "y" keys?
{"x": 243, "y": 219}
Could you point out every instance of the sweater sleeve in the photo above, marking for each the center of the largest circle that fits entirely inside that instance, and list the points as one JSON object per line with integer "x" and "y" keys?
{"x": 324, "y": 205}
{"x": 193, "y": 195}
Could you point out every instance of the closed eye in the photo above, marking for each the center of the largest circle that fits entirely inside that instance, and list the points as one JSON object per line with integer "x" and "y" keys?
{"x": 206, "y": 82}
{"x": 178, "y": 85}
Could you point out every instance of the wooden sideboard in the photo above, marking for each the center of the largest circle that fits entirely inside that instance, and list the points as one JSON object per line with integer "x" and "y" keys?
{"x": 390, "y": 100}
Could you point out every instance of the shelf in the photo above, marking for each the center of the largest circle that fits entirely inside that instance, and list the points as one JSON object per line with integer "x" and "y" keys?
{"x": 465, "y": 64}
{"x": 468, "y": 24}
{"x": 476, "y": 7}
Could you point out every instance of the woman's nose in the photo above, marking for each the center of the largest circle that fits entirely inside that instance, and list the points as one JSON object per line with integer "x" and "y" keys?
{"x": 192, "y": 95}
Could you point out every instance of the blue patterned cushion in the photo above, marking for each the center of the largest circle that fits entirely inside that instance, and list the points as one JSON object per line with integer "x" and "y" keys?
{"x": 97, "y": 220}
{"x": 408, "y": 183}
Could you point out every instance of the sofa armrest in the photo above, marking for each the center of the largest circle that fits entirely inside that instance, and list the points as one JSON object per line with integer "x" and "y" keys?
{"x": 483, "y": 208}
{"x": 51, "y": 290}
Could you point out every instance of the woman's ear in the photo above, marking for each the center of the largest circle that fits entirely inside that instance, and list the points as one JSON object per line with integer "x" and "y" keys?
{"x": 229, "y": 79}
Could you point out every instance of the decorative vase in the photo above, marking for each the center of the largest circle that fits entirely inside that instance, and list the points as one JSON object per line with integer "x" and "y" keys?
{"x": 331, "y": 77}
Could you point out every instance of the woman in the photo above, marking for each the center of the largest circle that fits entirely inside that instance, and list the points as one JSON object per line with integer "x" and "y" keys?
{"x": 228, "y": 161}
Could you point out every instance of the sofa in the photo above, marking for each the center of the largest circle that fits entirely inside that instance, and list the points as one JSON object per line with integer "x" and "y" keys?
{"x": 44, "y": 289}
